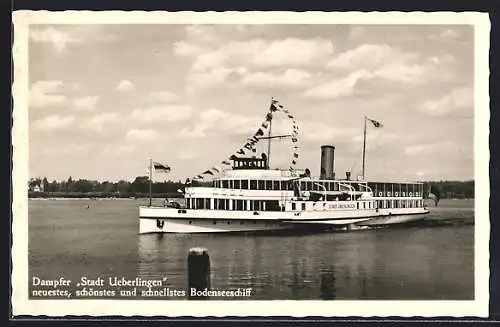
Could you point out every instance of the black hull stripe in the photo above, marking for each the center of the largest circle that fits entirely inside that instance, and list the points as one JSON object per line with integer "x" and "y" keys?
{"x": 289, "y": 220}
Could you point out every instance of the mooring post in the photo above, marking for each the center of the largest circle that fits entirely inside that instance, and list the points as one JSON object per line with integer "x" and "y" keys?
{"x": 198, "y": 273}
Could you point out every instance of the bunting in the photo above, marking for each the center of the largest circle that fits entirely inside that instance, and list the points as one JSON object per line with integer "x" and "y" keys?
{"x": 252, "y": 141}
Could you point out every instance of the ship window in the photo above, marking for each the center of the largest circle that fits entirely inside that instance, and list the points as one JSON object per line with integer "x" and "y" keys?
{"x": 283, "y": 185}
{"x": 261, "y": 185}
{"x": 237, "y": 184}
{"x": 309, "y": 186}
{"x": 230, "y": 183}
{"x": 229, "y": 222}
{"x": 239, "y": 204}
{"x": 357, "y": 205}
{"x": 224, "y": 184}
{"x": 303, "y": 206}
{"x": 244, "y": 184}
{"x": 276, "y": 185}
{"x": 293, "y": 206}
{"x": 207, "y": 203}
{"x": 253, "y": 184}
{"x": 302, "y": 186}
{"x": 227, "y": 204}
{"x": 269, "y": 185}
{"x": 190, "y": 222}
{"x": 272, "y": 205}
{"x": 215, "y": 223}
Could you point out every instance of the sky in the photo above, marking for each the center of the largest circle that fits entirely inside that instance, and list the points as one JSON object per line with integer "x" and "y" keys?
{"x": 104, "y": 99}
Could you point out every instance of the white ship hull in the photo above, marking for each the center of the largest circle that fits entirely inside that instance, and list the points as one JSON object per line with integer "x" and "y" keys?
{"x": 396, "y": 216}
{"x": 169, "y": 220}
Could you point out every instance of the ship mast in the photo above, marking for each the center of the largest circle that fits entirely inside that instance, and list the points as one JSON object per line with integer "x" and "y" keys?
{"x": 364, "y": 150}
{"x": 269, "y": 145}
{"x": 150, "y": 181}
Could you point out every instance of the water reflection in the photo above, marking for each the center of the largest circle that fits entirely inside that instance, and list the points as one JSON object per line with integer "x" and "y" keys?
{"x": 380, "y": 264}
{"x": 328, "y": 284}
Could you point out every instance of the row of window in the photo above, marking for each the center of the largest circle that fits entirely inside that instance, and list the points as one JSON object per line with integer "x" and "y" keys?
{"x": 226, "y": 204}
{"x": 385, "y": 204}
{"x": 269, "y": 185}
{"x": 396, "y": 189}
{"x": 273, "y": 205}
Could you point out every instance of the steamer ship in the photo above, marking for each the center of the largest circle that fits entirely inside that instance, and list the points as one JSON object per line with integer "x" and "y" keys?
{"x": 249, "y": 196}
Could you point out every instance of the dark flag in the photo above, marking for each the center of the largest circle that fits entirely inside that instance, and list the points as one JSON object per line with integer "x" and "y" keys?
{"x": 260, "y": 132}
{"x": 290, "y": 116}
{"x": 227, "y": 163}
{"x": 269, "y": 116}
{"x": 295, "y": 155}
{"x": 241, "y": 151}
{"x": 208, "y": 172}
{"x": 161, "y": 167}
{"x": 375, "y": 123}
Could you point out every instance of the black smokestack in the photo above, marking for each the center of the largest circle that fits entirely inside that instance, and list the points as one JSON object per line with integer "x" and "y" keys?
{"x": 327, "y": 162}
{"x": 348, "y": 175}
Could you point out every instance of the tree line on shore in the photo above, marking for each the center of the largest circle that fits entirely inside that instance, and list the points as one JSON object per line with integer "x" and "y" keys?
{"x": 42, "y": 188}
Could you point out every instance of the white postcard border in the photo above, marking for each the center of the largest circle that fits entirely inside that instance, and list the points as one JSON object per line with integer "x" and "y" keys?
{"x": 20, "y": 139}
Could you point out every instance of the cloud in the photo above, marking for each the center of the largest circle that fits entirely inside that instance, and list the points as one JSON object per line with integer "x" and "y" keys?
{"x": 163, "y": 96}
{"x": 457, "y": 100}
{"x": 370, "y": 56}
{"x": 289, "y": 78}
{"x": 141, "y": 135}
{"x": 221, "y": 121}
{"x": 292, "y": 51}
{"x": 87, "y": 103}
{"x": 47, "y": 93}
{"x": 56, "y": 37}
{"x": 447, "y": 34}
{"x": 210, "y": 78}
{"x": 183, "y": 48}
{"x": 316, "y": 132}
{"x": 165, "y": 113}
{"x": 125, "y": 86}
{"x": 403, "y": 71}
{"x": 337, "y": 87}
{"x": 286, "y": 52}
{"x": 97, "y": 122}
{"x": 53, "y": 122}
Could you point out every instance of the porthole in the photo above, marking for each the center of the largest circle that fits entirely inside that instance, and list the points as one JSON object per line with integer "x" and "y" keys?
{"x": 190, "y": 222}
{"x": 215, "y": 223}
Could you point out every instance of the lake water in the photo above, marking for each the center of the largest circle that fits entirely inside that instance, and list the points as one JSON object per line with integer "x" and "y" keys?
{"x": 432, "y": 259}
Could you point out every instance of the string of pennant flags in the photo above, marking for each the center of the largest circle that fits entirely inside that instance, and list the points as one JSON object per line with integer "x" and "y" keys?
{"x": 249, "y": 146}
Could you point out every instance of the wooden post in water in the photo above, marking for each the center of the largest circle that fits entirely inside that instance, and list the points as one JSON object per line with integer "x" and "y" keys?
{"x": 198, "y": 273}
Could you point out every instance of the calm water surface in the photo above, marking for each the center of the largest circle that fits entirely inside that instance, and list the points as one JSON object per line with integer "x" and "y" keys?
{"x": 433, "y": 259}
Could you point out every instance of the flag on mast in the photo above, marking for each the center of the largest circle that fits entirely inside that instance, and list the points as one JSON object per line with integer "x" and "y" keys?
{"x": 161, "y": 167}
{"x": 375, "y": 123}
